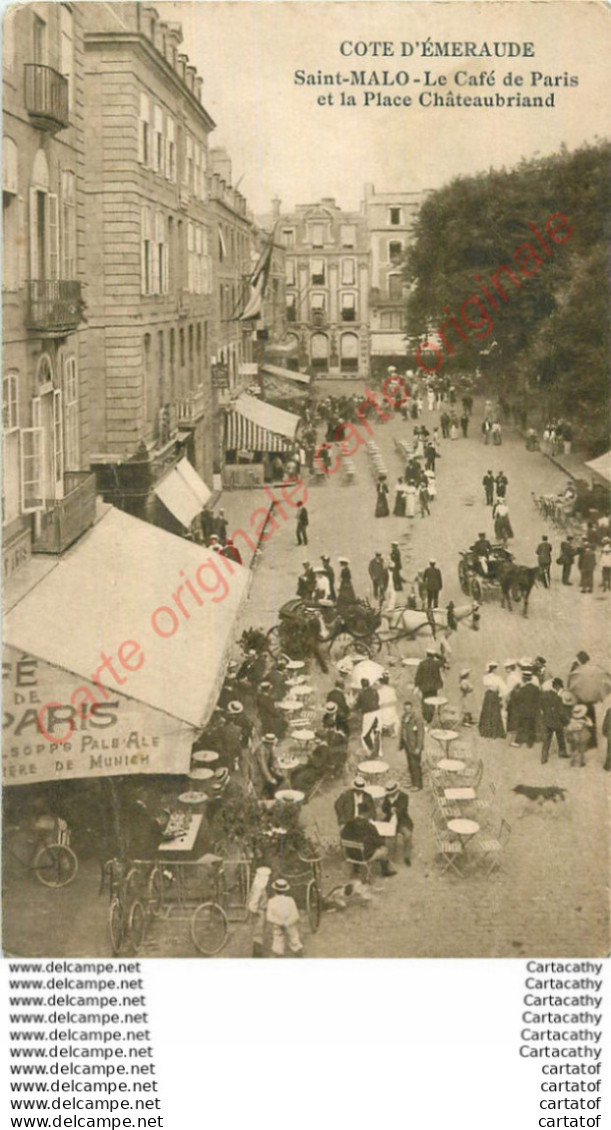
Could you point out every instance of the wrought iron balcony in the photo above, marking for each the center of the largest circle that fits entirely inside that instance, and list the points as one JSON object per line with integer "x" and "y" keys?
{"x": 190, "y": 409}
{"x": 46, "y": 97}
{"x": 69, "y": 516}
{"x": 55, "y": 306}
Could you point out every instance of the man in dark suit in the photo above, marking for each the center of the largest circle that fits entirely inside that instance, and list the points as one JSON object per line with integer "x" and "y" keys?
{"x": 526, "y": 706}
{"x": 544, "y": 558}
{"x": 363, "y": 832}
{"x": 396, "y": 803}
{"x": 338, "y": 697}
{"x": 566, "y": 557}
{"x": 428, "y": 680}
{"x": 303, "y": 522}
{"x": 433, "y": 583}
{"x": 555, "y": 715}
{"x": 354, "y": 802}
{"x": 488, "y": 484}
{"x": 411, "y": 740}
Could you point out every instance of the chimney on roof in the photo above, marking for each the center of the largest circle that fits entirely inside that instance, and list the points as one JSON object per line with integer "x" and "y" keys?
{"x": 276, "y": 202}
{"x": 369, "y": 191}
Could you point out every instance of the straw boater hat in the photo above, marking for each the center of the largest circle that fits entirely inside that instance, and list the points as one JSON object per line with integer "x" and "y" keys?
{"x": 265, "y": 686}
{"x": 358, "y": 784}
{"x": 222, "y": 775}
{"x": 280, "y": 886}
{"x": 431, "y": 651}
{"x": 270, "y": 739}
{"x": 392, "y": 788}
{"x": 344, "y": 560}
{"x": 580, "y": 712}
{"x": 465, "y": 671}
{"x": 330, "y": 708}
{"x": 492, "y": 665}
{"x": 568, "y": 698}
{"x": 509, "y": 664}
{"x": 235, "y": 707}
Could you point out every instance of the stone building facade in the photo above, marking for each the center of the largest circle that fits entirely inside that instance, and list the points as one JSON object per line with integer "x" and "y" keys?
{"x": 327, "y": 287}
{"x": 150, "y": 254}
{"x": 48, "y": 495}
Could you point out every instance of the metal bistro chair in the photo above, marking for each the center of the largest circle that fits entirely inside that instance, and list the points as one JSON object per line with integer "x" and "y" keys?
{"x": 448, "y": 853}
{"x": 354, "y": 853}
{"x": 492, "y": 848}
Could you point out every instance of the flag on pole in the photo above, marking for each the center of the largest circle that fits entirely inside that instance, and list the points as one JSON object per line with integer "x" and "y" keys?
{"x": 258, "y": 283}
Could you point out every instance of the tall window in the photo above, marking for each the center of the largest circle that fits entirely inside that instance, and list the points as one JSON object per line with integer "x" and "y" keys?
{"x": 348, "y": 307}
{"x": 197, "y": 168}
{"x": 170, "y": 160}
{"x": 68, "y": 224}
{"x": 289, "y": 272}
{"x": 348, "y": 272}
{"x": 44, "y": 244}
{"x": 161, "y": 360}
{"x": 161, "y": 255}
{"x": 39, "y": 41}
{"x": 146, "y": 381}
{"x": 66, "y": 50}
{"x": 198, "y": 352}
{"x": 290, "y": 308}
{"x": 317, "y": 237}
{"x": 204, "y": 167}
{"x": 144, "y": 131}
{"x": 12, "y": 217}
{"x": 189, "y": 167}
{"x": 11, "y": 477}
{"x": 318, "y": 309}
{"x": 172, "y": 360}
{"x": 395, "y": 287}
{"x": 181, "y": 338}
{"x": 71, "y": 415}
{"x": 191, "y": 356}
{"x": 395, "y": 251}
{"x": 158, "y": 154}
{"x": 317, "y": 271}
{"x": 395, "y": 216}
{"x": 146, "y": 249}
{"x": 348, "y": 235}
{"x": 288, "y": 237}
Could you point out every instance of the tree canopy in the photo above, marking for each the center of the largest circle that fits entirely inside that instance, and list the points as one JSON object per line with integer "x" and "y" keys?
{"x": 544, "y": 336}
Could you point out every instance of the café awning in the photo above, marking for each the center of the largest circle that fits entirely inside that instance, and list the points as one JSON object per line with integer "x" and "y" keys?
{"x": 254, "y": 425}
{"x": 602, "y": 466}
{"x": 183, "y": 492}
{"x": 286, "y": 374}
{"x": 142, "y": 621}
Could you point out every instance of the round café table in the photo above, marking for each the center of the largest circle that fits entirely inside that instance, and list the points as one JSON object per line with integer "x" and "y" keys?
{"x": 290, "y": 796}
{"x": 287, "y": 765}
{"x": 437, "y": 701}
{"x": 295, "y": 665}
{"x": 444, "y": 737}
{"x": 451, "y": 765}
{"x": 290, "y": 705}
{"x": 302, "y": 690}
{"x": 373, "y": 770}
{"x": 464, "y": 829}
{"x": 205, "y": 757}
{"x": 201, "y": 774}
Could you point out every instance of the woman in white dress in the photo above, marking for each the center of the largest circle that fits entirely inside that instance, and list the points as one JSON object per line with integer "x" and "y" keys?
{"x": 410, "y": 500}
{"x": 431, "y": 485}
{"x": 430, "y": 396}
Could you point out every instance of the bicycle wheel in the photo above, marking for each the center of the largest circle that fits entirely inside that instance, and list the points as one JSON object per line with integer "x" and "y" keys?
{"x": 273, "y": 642}
{"x": 136, "y": 923}
{"x": 209, "y": 928}
{"x": 116, "y": 924}
{"x": 155, "y": 892}
{"x": 55, "y": 865}
{"x": 313, "y": 905}
{"x": 134, "y": 884}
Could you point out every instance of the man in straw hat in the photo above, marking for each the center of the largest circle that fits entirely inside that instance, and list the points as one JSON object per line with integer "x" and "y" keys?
{"x": 283, "y": 916}
{"x": 354, "y": 802}
{"x": 396, "y": 804}
{"x": 578, "y": 735}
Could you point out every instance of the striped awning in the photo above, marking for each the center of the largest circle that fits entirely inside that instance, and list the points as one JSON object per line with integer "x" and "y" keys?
{"x": 243, "y": 435}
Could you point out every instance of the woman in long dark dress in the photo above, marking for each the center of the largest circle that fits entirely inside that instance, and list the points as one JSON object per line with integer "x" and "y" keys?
{"x": 399, "y": 507}
{"x": 345, "y": 592}
{"x": 491, "y": 719}
{"x": 382, "y": 509}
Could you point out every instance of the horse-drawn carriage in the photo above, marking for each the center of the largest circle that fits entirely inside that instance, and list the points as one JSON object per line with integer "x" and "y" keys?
{"x": 480, "y": 580}
{"x": 304, "y": 626}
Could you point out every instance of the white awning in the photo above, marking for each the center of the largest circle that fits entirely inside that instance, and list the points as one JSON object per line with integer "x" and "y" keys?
{"x": 127, "y": 582}
{"x": 267, "y": 416}
{"x": 286, "y": 374}
{"x": 602, "y": 466}
{"x": 183, "y": 492}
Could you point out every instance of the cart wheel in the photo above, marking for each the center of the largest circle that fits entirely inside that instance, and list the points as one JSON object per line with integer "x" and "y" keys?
{"x": 313, "y": 905}
{"x": 476, "y": 589}
{"x": 273, "y": 642}
{"x": 136, "y": 922}
{"x": 343, "y": 643}
{"x": 55, "y": 865}
{"x": 373, "y": 644}
{"x": 463, "y": 577}
{"x": 116, "y": 924}
{"x": 209, "y": 928}
{"x": 155, "y": 892}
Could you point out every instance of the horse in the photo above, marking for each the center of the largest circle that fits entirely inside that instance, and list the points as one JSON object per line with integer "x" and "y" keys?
{"x": 517, "y": 581}
{"x": 409, "y": 623}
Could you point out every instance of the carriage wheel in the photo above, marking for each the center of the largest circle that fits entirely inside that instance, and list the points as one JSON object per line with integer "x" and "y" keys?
{"x": 136, "y": 922}
{"x": 116, "y": 924}
{"x": 313, "y": 905}
{"x": 273, "y": 642}
{"x": 343, "y": 643}
{"x": 155, "y": 892}
{"x": 209, "y": 928}
{"x": 55, "y": 865}
{"x": 374, "y": 644}
{"x": 476, "y": 589}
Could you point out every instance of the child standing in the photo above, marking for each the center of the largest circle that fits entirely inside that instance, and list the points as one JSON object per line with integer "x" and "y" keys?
{"x": 283, "y": 916}
{"x": 466, "y": 691}
{"x": 578, "y": 735}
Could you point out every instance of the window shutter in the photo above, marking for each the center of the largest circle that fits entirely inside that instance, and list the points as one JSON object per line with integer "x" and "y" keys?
{"x": 34, "y": 264}
{"x": 166, "y": 269}
{"x": 32, "y": 461}
{"x": 53, "y": 235}
{"x": 58, "y": 436}
{"x": 154, "y": 257}
{"x": 190, "y": 279}
{"x": 21, "y": 241}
